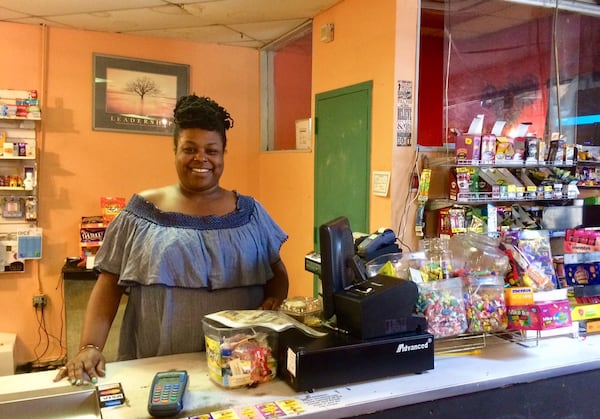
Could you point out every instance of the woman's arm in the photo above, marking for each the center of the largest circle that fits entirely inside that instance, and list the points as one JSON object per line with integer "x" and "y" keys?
{"x": 276, "y": 289}
{"x": 99, "y": 315}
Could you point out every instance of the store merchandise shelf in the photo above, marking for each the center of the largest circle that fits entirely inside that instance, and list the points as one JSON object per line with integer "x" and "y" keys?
{"x": 511, "y": 164}
{"x": 484, "y": 197}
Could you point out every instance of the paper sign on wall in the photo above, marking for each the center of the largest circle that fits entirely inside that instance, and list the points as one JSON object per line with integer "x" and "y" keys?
{"x": 29, "y": 243}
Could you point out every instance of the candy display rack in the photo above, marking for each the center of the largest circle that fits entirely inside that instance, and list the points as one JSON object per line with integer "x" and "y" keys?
{"x": 469, "y": 342}
{"x": 460, "y": 343}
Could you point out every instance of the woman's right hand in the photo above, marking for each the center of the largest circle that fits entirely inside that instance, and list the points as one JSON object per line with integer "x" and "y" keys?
{"x": 85, "y": 367}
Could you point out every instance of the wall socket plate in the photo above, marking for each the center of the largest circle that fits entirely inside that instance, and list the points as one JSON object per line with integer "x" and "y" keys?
{"x": 40, "y": 301}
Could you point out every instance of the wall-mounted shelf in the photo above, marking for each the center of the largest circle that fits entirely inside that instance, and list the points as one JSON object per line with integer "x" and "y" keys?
{"x": 19, "y": 118}
{"x": 15, "y": 118}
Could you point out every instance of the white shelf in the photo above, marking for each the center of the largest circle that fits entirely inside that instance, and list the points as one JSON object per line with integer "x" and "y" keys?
{"x": 17, "y": 158}
{"x": 18, "y": 118}
{"x": 18, "y": 129}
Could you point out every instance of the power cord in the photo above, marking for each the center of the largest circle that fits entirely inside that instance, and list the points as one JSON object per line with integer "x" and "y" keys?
{"x": 46, "y": 338}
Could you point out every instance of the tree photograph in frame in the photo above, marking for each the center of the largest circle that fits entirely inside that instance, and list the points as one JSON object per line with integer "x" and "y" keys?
{"x": 135, "y": 95}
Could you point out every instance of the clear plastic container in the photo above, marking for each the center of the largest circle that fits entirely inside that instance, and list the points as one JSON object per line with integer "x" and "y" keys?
{"x": 240, "y": 356}
{"x": 442, "y": 304}
{"x": 477, "y": 254}
{"x": 439, "y": 259}
{"x": 304, "y": 309}
{"x": 389, "y": 264}
{"x": 485, "y": 304}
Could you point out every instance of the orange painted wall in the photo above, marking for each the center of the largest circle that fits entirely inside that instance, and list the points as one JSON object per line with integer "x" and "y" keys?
{"x": 369, "y": 43}
{"x": 364, "y": 49}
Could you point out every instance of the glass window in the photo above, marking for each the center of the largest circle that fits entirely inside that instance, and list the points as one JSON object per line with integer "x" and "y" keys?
{"x": 286, "y": 79}
{"x": 513, "y": 61}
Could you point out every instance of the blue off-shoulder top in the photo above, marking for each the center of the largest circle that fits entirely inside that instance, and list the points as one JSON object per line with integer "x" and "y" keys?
{"x": 147, "y": 246}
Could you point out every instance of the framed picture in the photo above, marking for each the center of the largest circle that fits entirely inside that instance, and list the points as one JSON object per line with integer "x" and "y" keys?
{"x": 137, "y": 96}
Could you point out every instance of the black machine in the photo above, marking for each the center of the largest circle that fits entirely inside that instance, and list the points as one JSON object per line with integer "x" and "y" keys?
{"x": 375, "y": 332}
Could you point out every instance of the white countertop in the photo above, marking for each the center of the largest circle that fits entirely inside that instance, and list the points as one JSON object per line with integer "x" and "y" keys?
{"x": 499, "y": 364}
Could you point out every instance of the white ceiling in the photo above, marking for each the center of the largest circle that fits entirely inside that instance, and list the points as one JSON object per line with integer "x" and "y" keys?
{"x": 245, "y": 23}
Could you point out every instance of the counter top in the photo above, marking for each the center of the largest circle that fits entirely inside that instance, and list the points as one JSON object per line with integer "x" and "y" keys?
{"x": 500, "y": 363}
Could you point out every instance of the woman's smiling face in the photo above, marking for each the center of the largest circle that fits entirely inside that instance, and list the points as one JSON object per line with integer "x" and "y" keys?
{"x": 199, "y": 159}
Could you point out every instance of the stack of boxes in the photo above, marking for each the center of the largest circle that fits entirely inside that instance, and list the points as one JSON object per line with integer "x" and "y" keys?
{"x": 92, "y": 228}
{"x": 582, "y": 275}
{"x": 91, "y": 235}
{"x": 537, "y": 311}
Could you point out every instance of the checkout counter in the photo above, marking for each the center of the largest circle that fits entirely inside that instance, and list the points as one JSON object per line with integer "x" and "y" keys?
{"x": 552, "y": 378}
{"x": 555, "y": 378}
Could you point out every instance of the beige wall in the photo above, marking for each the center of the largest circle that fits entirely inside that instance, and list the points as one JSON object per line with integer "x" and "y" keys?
{"x": 79, "y": 165}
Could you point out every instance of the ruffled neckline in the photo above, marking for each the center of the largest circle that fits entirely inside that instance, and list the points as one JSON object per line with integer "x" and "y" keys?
{"x": 148, "y": 211}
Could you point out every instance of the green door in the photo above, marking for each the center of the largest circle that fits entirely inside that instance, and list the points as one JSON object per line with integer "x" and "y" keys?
{"x": 342, "y": 156}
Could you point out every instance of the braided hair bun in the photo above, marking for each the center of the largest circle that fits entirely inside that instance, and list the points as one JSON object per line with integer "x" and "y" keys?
{"x": 201, "y": 112}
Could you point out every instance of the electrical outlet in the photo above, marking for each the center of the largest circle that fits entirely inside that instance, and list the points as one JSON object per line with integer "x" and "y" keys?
{"x": 40, "y": 301}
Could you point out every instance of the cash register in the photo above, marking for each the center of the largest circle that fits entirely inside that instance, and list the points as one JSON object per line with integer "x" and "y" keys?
{"x": 372, "y": 331}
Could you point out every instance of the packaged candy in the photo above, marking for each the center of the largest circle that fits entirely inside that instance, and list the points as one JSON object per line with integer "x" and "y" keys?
{"x": 529, "y": 251}
{"x": 237, "y": 357}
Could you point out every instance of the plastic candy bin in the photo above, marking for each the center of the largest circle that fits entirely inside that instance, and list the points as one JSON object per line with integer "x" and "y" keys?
{"x": 239, "y": 357}
{"x": 442, "y": 304}
{"x": 485, "y": 304}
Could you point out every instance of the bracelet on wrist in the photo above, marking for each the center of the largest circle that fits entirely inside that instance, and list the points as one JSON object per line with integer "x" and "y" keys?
{"x": 90, "y": 346}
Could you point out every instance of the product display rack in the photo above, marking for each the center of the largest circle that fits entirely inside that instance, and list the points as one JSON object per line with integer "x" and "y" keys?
{"x": 478, "y": 183}
{"x": 517, "y": 186}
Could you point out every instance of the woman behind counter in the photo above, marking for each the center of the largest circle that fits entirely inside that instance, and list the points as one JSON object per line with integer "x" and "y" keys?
{"x": 181, "y": 251}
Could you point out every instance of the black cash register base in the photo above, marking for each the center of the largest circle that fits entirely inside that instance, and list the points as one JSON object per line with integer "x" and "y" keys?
{"x": 377, "y": 333}
{"x": 396, "y": 344}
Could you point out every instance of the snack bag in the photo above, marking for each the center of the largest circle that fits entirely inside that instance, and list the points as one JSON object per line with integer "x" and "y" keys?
{"x": 111, "y": 207}
{"x": 530, "y": 252}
